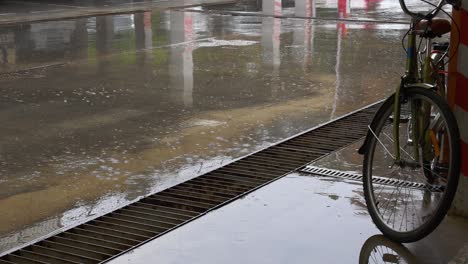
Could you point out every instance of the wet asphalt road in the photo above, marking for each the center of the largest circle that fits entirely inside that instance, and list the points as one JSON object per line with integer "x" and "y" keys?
{"x": 98, "y": 111}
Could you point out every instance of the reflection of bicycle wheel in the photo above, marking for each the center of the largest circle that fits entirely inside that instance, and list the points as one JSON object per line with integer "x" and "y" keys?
{"x": 379, "y": 249}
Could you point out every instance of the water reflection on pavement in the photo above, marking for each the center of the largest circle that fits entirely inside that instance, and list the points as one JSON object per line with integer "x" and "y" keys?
{"x": 295, "y": 219}
{"x": 99, "y": 111}
{"x": 300, "y": 218}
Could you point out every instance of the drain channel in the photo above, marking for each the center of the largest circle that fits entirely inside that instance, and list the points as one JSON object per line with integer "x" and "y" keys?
{"x": 378, "y": 180}
{"x": 110, "y": 235}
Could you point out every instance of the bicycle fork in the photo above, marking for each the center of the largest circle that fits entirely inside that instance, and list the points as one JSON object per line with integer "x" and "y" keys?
{"x": 422, "y": 131}
{"x": 396, "y": 122}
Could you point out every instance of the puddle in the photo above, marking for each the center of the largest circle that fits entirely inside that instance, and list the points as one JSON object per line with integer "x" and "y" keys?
{"x": 131, "y": 104}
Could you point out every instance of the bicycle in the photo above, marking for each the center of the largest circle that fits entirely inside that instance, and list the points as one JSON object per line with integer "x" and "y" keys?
{"x": 412, "y": 149}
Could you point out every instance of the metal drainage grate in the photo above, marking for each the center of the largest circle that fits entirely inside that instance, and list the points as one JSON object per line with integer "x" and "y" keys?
{"x": 110, "y": 235}
{"x": 379, "y": 180}
{"x": 331, "y": 173}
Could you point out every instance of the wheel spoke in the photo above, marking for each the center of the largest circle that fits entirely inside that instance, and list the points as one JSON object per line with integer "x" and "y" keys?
{"x": 373, "y": 133}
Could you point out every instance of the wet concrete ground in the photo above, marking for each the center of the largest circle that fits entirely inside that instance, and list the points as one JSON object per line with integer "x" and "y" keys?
{"x": 99, "y": 111}
{"x": 301, "y": 219}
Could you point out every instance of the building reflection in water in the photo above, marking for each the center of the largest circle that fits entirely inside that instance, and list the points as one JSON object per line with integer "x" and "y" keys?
{"x": 272, "y": 7}
{"x": 7, "y": 49}
{"x": 342, "y": 30}
{"x": 304, "y": 32}
{"x": 31, "y": 45}
{"x": 305, "y": 8}
{"x": 104, "y": 37}
{"x": 271, "y": 41}
{"x": 344, "y": 9}
{"x": 23, "y": 46}
{"x": 40, "y": 44}
{"x": 181, "y": 57}
{"x": 79, "y": 40}
{"x": 143, "y": 37}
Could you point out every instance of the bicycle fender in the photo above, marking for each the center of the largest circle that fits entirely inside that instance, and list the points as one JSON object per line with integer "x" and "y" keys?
{"x": 424, "y": 85}
{"x": 362, "y": 150}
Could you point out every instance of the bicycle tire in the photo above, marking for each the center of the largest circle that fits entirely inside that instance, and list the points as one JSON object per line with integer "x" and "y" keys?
{"x": 411, "y": 178}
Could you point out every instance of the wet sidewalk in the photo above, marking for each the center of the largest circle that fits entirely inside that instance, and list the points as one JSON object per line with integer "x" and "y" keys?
{"x": 99, "y": 111}
{"x": 301, "y": 218}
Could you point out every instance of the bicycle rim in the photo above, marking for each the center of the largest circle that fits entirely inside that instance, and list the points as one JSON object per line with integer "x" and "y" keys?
{"x": 405, "y": 203}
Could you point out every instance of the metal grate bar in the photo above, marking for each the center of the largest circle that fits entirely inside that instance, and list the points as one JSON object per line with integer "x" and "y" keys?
{"x": 150, "y": 214}
{"x": 62, "y": 255}
{"x": 197, "y": 197}
{"x": 76, "y": 250}
{"x": 49, "y": 258}
{"x": 117, "y": 230}
{"x": 274, "y": 160}
{"x": 151, "y": 223}
{"x": 113, "y": 245}
{"x": 252, "y": 164}
{"x": 211, "y": 187}
{"x": 206, "y": 190}
{"x": 103, "y": 235}
{"x": 379, "y": 180}
{"x": 16, "y": 258}
{"x": 110, "y": 235}
{"x": 64, "y": 241}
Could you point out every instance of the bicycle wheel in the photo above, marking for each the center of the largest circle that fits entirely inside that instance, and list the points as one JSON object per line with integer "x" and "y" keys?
{"x": 403, "y": 202}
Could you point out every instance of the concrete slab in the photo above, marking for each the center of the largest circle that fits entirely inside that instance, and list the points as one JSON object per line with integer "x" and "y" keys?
{"x": 297, "y": 219}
